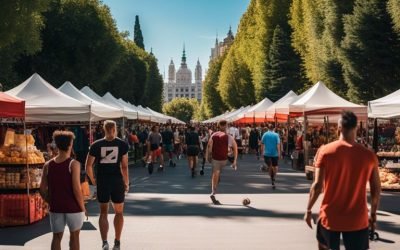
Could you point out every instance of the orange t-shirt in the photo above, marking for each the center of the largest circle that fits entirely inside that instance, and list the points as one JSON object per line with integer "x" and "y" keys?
{"x": 134, "y": 138}
{"x": 348, "y": 169}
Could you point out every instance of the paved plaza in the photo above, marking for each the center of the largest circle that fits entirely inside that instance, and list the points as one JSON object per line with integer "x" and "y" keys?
{"x": 171, "y": 210}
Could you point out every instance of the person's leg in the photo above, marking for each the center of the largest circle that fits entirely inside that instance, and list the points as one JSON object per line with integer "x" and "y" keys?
{"x": 118, "y": 219}
{"x": 74, "y": 240}
{"x": 357, "y": 240}
{"x": 103, "y": 221}
{"x": 327, "y": 239}
{"x": 56, "y": 241}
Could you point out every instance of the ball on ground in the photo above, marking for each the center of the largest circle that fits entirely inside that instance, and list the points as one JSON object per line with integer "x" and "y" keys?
{"x": 246, "y": 201}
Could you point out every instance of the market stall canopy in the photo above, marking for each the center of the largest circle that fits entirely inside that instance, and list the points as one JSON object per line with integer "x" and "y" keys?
{"x": 238, "y": 114}
{"x": 44, "y": 103}
{"x": 128, "y": 112}
{"x": 385, "y": 107}
{"x": 319, "y": 100}
{"x": 141, "y": 115}
{"x": 257, "y": 113}
{"x": 164, "y": 118}
{"x": 280, "y": 109}
{"x": 91, "y": 94}
{"x": 11, "y": 106}
{"x": 99, "y": 111}
{"x": 218, "y": 117}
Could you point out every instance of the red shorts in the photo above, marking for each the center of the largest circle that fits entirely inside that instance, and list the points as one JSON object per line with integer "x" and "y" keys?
{"x": 156, "y": 153}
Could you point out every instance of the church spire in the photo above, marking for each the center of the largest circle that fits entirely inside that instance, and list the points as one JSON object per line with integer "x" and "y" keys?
{"x": 184, "y": 55}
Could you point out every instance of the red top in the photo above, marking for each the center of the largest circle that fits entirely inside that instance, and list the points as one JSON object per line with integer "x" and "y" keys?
{"x": 348, "y": 169}
{"x": 220, "y": 146}
{"x": 62, "y": 198}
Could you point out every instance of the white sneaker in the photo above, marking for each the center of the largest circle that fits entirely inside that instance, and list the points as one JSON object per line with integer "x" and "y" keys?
{"x": 105, "y": 246}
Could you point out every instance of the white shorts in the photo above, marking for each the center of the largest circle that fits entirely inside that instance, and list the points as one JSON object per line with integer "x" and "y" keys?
{"x": 74, "y": 221}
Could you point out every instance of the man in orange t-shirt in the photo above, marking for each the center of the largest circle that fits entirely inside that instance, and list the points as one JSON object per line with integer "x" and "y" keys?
{"x": 342, "y": 170}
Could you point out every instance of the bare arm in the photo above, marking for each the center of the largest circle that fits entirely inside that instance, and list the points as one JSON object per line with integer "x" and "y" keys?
{"x": 235, "y": 151}
{"x": 315, "y": 191}
{"x": 89, "y": 168}
{"x": 76, "y": 184}
{"x": 375, "y": 187}
{"x": 125, "y": 171}
{"x": 209, "y": 150}
{"x": 44, "y": 185}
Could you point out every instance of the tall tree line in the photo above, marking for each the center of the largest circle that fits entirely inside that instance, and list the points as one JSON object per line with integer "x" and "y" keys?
{"x": 78, "y": 41}
{"x": 352, "y": 46}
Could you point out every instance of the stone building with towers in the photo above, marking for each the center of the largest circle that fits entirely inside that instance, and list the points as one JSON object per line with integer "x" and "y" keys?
{"x": 180, "y": 82}
{"x": 221, "y": 47}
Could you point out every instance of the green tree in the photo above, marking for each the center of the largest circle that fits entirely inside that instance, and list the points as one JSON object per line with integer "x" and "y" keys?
{"x": 20, "y": 25}
{"x": 211, "y": 99}
{"x": 137, "y": 35}
{"x": 154, "y": 85}
{"x": 235, "y": 83}
{"x": 80, "y": 43}
{"x": 182, "y": 108}
{"x": 370, "y": 54}
{"x": 283, "y": 71}
{"x": 394, "y": 10}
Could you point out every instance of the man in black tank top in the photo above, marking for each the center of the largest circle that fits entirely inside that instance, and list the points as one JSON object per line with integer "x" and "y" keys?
{"x": 110, "y": 155}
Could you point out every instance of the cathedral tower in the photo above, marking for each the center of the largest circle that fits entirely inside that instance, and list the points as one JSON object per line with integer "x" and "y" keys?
{"x": 171, "y": 72}
{"x": 198, "y": 73}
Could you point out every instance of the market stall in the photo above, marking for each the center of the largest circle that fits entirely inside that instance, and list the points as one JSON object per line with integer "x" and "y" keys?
{"x": 385, "y": 114}
{"x": 257, "y": 113}
{"x": 319, "y": 110}
{"x": 20, "y": 167}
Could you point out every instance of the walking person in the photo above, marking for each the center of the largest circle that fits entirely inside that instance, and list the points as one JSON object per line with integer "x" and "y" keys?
{"x": 204, "y": 137}
{"x": 154, "y": 143}
{"x": 193, "y": 146}
{"x": 110, "y": 155}
{"x": 217, "y": 155}
{"x": 271, "y": 148}
{"x": 168, "y": 139}
{"x": 61, "y": 189}
{"x": 254, "y": 139}
{"x": 342, "y": 170}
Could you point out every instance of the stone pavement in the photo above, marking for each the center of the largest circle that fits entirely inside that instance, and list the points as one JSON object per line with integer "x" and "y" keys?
{"x": 170, "y": 210}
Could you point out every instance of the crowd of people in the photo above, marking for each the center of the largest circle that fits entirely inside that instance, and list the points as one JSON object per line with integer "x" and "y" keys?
{"x": 217, "y": 144}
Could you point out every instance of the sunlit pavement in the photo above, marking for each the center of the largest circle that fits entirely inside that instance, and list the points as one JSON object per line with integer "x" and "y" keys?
{"x": 170, "y": 210}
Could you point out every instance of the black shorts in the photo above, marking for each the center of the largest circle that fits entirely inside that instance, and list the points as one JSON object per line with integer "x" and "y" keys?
{"x": 110, "y": 188}
{"x": 193, "y": 150}
{"x": 356, "y": 240}
{"x": 271, "y": 161}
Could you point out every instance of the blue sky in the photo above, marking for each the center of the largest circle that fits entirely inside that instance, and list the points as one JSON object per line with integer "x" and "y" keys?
{"x": 167, "y": 24}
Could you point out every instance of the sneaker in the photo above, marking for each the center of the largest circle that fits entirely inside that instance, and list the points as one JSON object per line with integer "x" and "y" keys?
{"x": 115, "y": 247}
{"x": 160, "y": 169}
{"x": 214, "y": 201}
{"x": 105, "y": 246}
{"x": 202, "y": 172}
{"x": 150, "y": 168}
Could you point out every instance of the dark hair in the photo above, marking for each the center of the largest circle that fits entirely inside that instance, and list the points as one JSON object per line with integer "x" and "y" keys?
{"x": 63, "y": 139}
{"x": 348, "y": 120}
{"x": 222, "y": 123}
{"x": 271, "y": 126}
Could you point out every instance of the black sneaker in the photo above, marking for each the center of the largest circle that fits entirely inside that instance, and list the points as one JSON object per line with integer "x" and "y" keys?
{"x": 214, "y": 201}
{"x": 105, "y": 246}
{"x": 202, "y": 172}
{"x": 160, "y": 169}
{"x": 150, "y": 168}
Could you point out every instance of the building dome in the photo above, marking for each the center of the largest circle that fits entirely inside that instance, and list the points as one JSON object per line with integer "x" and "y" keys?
{"x": 184, "y": 75}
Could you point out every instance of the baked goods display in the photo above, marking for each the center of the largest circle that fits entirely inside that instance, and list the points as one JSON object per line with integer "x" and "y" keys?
{"x": 22, "y": 150}
{"x": 389, "y": 179}
{"x": 19, "y": 178}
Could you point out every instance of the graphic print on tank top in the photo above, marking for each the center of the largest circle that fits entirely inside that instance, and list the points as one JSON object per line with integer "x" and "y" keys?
{"x": 109, "y": 155}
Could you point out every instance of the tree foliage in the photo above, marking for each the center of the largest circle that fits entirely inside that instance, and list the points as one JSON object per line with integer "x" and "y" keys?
{"x": 137, "y": 34}
{"x": 235, "y": 83}
{"x": 153, "y": 92}
{"x": 182, "y": 108}
{"x": 371, "y": 52}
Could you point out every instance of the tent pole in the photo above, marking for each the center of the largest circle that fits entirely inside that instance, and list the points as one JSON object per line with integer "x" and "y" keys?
{"x": 90, "y": 124}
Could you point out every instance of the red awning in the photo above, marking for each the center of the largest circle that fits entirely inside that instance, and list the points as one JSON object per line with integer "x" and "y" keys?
{"x": 11, "y": 106}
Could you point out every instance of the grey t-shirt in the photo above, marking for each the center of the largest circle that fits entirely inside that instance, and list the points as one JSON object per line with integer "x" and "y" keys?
{"x": 155, "y": 138}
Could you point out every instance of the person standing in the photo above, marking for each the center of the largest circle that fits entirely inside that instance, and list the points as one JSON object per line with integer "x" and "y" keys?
{"x": 204, "y": 136}
{"x": 154, "y": 146}
{"x": 110, "y": 155}
{"x": 254, "y": 139}
{"x": 217, "y": 155}
{"x": 61, "y": 189}
{"x": 271, "y": 148}
{"x": 193, "y": 145}
{"x": 342, "y": 170}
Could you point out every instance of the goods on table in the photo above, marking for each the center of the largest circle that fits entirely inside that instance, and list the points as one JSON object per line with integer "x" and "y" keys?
{"x": 17, "y": 178}
{"x": 22, "y": 151}
{"x": 389, "y": 180}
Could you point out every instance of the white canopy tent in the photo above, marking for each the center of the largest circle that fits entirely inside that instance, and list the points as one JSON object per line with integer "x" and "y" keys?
{"x": 319, "y": 100}
{"x": 385, "y": 107}
{"x": 99, "y": 111}
{"x": 44, "y": 103}
{"x": 218, "y": 117}
{"x": 129, "y": 113}
{"x": 234, "y": 116}
{"x": 280, "y": 109}
{"x": 141, "y": 115}
{"x": 164, "y": 118}
{"x": 256, "y": 113}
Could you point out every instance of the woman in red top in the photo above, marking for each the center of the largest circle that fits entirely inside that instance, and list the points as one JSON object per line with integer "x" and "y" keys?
{"x": 61, "y": 188}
